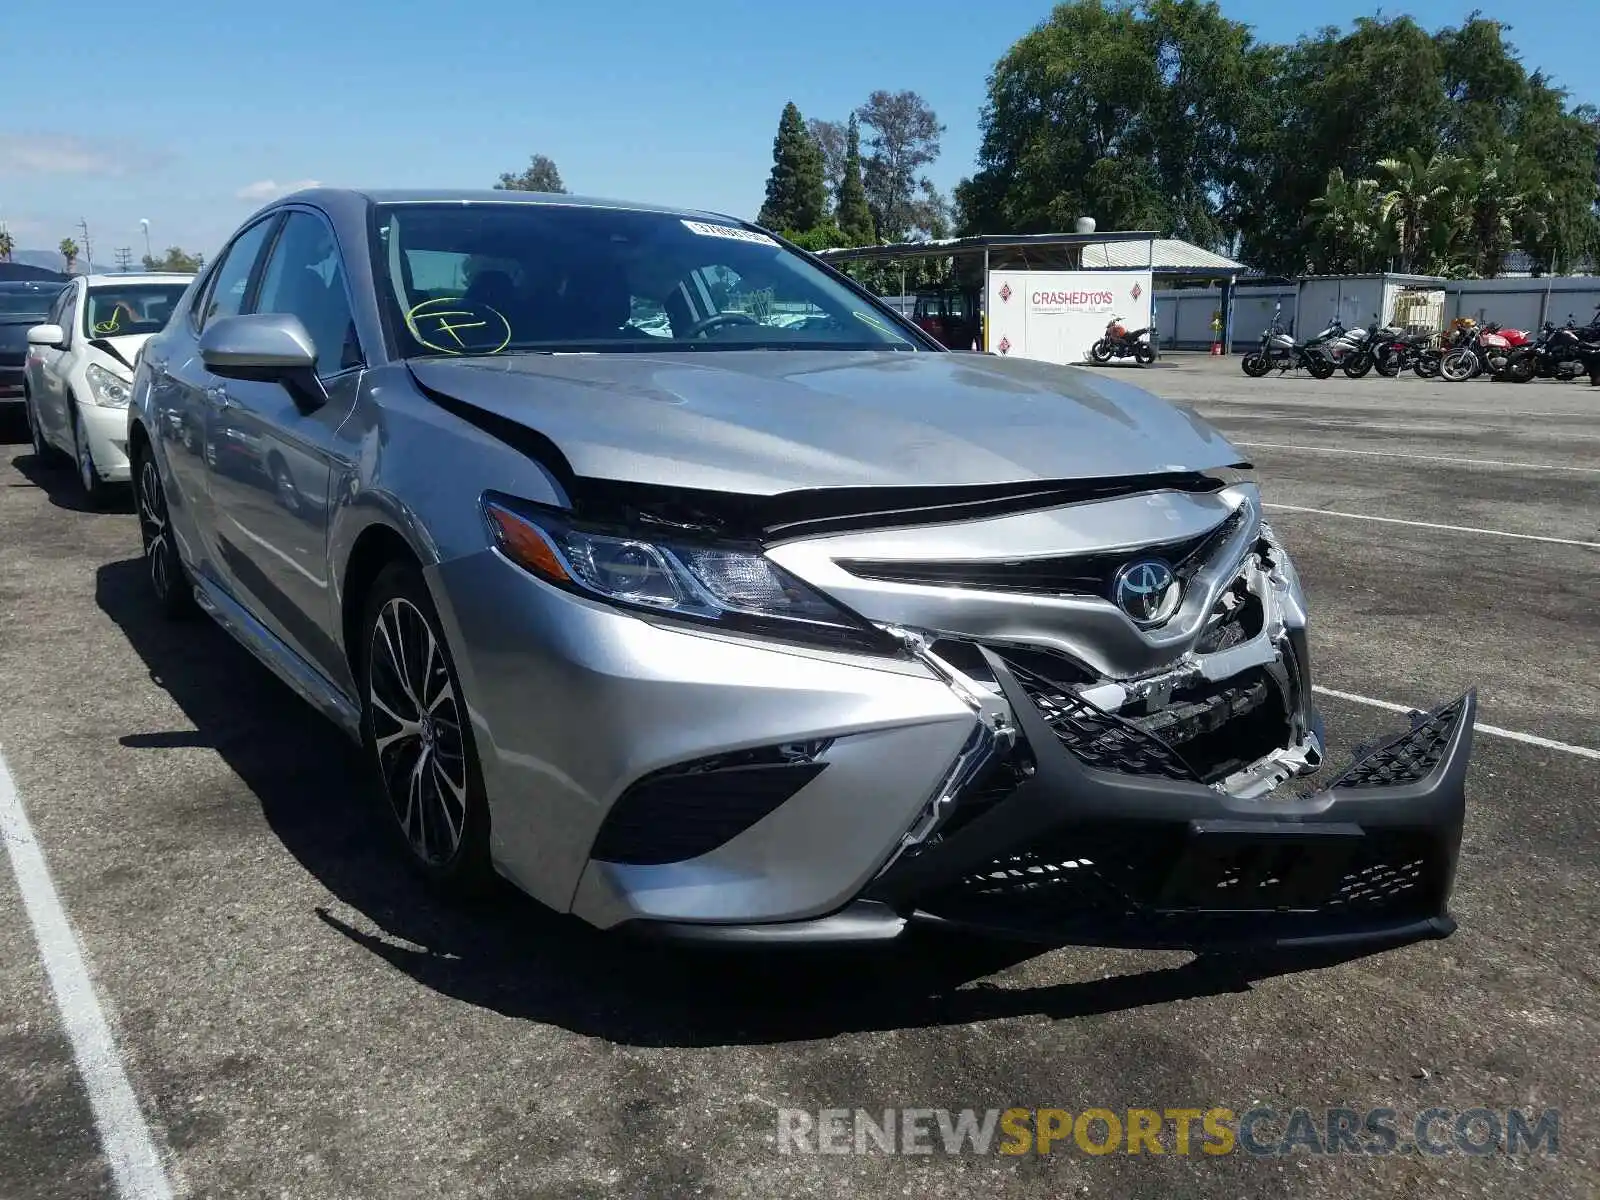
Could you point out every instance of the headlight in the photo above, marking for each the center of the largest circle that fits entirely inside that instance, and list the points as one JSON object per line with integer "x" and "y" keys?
{"x": 735, "y": 588}
{"x": 106, "y": 389}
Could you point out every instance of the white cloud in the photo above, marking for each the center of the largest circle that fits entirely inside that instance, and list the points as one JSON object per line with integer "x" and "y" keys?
{"x": 271, "y": 189}
{"x": 63, "y": 154}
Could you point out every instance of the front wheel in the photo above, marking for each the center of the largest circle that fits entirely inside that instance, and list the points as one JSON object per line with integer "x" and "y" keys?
{"x": 417, "y": 736}
{"x": 1357, "y": 365}
{"x": 1100, "y": 352}
{"x": 1255, "y": 365}
{"x": 96, "y": 491}
{"x": 1458, "y": 366}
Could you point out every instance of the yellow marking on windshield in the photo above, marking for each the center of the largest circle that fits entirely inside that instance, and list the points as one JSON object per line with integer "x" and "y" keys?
{"x": 444, "y": 324}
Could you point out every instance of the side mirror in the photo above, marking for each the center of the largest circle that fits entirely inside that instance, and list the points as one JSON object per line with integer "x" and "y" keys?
{"x": 48, "y": 335}
{"x": 268, "y": 348}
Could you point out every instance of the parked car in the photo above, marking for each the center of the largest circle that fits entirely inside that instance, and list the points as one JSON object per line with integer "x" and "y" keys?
{"x": 733, "y": 629}
{"x": 80, "y": 367}
{"x": 22, "y": 306}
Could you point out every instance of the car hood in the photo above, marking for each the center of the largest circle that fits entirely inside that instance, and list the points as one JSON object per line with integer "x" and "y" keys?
{"x": 767, "y": 422}
{"x": 124, "y": 348}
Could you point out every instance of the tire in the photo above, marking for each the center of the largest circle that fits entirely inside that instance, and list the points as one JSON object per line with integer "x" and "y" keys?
{"x": 1427, "y": 365}
{"x": 44, "y": 453}
{"x": 96, "y": 491}
{"x": 1100, "y": 352}
{"x": 169, "y": 580}
{"x": 429, "y": 779}
{"x": 1519, "y": 370}
{"x": 1144, "y": 353}
{"x": 1320, "y": 367}
{"x": 1458, "y": 366}
{"x": 1255, "y": 365}
{"x": 1357, "y": 365}
{"x": 1388, "y": 365}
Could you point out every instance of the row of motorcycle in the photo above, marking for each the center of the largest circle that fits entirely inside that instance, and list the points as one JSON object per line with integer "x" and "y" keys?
{"x": 1466, "y": 351}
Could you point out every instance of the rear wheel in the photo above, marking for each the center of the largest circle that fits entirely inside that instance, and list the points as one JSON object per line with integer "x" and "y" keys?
{"x": 1427, "y": 365}
{"x": 1100, "y": 352}
{"x": 1319, "y": 367}
{"x": 44, "y": 453}
{"x": 168, "y": 579}
{"x": 1357, "y": 365}
{"x": 1388, "y": 365}
{"x": 1254, "y": 365}
{"x": 1144, "y": 352}
{"x": 415, "y": 729}
{"x": 1519, "y": 370}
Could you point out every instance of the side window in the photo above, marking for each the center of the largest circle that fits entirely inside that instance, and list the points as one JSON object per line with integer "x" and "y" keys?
{"x": 61, "y": 311}
{"x": 232, "y": 278}
{"x": 305, "y": 278}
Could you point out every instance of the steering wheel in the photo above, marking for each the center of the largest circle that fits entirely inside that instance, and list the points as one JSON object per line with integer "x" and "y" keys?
{"x": 716, "y": 319}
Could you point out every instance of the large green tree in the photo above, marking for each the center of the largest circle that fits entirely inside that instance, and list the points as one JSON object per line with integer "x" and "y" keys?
{"x": 902, "y": 137}
{"x": 8, "y": 245}
{"x": 540, "y": 175}
{"x": 69, "y": 253}
{"x": 851, "y": 211}
{"x": 797, "y": 199}
{"x": 175, "y": 259}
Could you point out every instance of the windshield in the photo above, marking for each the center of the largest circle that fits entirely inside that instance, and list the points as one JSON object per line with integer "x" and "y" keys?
{"x": 118, "y": 309}
{"x": 30, "y": 301}
{"x": 489, "y": 278}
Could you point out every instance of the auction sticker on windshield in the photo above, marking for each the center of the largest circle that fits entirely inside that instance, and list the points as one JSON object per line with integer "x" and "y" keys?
{"x": 706, "y": 229}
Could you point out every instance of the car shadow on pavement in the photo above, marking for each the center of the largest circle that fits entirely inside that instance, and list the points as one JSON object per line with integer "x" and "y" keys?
{"x": 509, "y": 954}
{"x": 60, "y": 484}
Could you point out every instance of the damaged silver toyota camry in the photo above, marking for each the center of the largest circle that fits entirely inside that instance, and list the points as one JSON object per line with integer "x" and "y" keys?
{"x": 667, "y": 573}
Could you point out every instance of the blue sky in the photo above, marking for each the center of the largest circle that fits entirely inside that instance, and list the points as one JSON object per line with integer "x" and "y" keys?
{"x": 192, "y": 112}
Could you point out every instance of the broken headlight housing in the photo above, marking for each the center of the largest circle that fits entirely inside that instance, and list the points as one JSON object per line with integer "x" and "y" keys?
{"x": 732, "y": 587}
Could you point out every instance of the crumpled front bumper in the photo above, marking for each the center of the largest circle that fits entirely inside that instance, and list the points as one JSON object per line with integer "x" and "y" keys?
{"x": 1080, "y": 855}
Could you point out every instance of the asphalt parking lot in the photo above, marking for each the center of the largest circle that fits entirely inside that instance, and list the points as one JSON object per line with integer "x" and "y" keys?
{"x": 297, "y": 1019}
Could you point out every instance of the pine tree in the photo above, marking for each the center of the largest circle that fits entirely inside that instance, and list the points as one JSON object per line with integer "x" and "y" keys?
{"x": 796, "y": 196}
{"x": 854, "y": 217}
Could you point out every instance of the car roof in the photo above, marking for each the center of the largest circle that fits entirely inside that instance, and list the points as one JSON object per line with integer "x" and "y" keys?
{"x": 138, "y": 277}
{"x": 491, "y": 196}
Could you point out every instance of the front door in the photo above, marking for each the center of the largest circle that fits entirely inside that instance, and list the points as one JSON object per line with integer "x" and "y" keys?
{"x": 272, "y": 494}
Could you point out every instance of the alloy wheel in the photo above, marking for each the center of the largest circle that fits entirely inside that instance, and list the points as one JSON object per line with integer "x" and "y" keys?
{"x": 153, "y": 526}
{"x": 416, "y": 731}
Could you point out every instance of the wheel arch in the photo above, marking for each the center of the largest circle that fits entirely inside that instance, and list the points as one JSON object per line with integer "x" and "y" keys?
{"x": 373, "y": 549}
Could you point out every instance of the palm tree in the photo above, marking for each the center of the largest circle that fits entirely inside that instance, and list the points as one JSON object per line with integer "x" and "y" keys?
{"x": 1495, "y": 205}
{"x": 1419, "y": 195}
{"x": 69, "y": 252}
{"x": 1354, "y": 235}
{"x": 8, "y": 245}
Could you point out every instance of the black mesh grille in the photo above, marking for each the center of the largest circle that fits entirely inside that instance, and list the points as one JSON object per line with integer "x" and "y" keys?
{"x": 689, "y": 810}
{"x": 1133, "y": 870}
{"x": 1410, "y": 759}
{"x": 1098, "y": 738}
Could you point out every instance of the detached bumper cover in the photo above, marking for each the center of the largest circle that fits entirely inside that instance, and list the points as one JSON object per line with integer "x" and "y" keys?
{"x": 1075, "y": 854}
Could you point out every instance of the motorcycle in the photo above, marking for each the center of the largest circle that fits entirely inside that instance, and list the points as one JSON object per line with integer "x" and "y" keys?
{"x": 1350, "y": 349}
{"x": 1485, "y": 348}
{"x": 1555, "y": 354}
{"x": 1122, "y": 342}
{"x": 1279, "y": 350}
{"x": 1402, "y": 351}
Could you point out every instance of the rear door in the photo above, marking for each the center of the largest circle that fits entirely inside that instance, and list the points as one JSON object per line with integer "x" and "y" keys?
{"x": 272, "y": 523}
{"x": 192, "y": 399}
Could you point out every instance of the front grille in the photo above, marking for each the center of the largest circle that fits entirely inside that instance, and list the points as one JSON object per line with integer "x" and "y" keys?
{"x": 690, "y": 809}
{"x": 1070, "y": 574}
{"x": 1100, "y": 739}
{"x": 1409, "y": 759}
{"x": 1134, "y": 871}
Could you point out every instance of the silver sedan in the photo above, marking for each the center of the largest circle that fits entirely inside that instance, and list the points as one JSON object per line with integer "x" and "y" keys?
{"x": 664, "y": 571}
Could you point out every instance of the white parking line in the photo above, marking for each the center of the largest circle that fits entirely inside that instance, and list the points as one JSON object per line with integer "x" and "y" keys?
{"x": 130, "y": 1150}
{"x": 1446, "y": 458}
{"x": 1526, "y": 537}
{"x": 1515, "y": 735}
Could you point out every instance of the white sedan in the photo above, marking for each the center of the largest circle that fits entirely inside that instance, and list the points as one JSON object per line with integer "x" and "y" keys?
{"x": 80, "y": 368}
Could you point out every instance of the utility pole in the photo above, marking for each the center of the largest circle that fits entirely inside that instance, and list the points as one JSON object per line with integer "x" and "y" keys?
{"x": 124, "y": 259}
{"x": 88, "y": 255}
